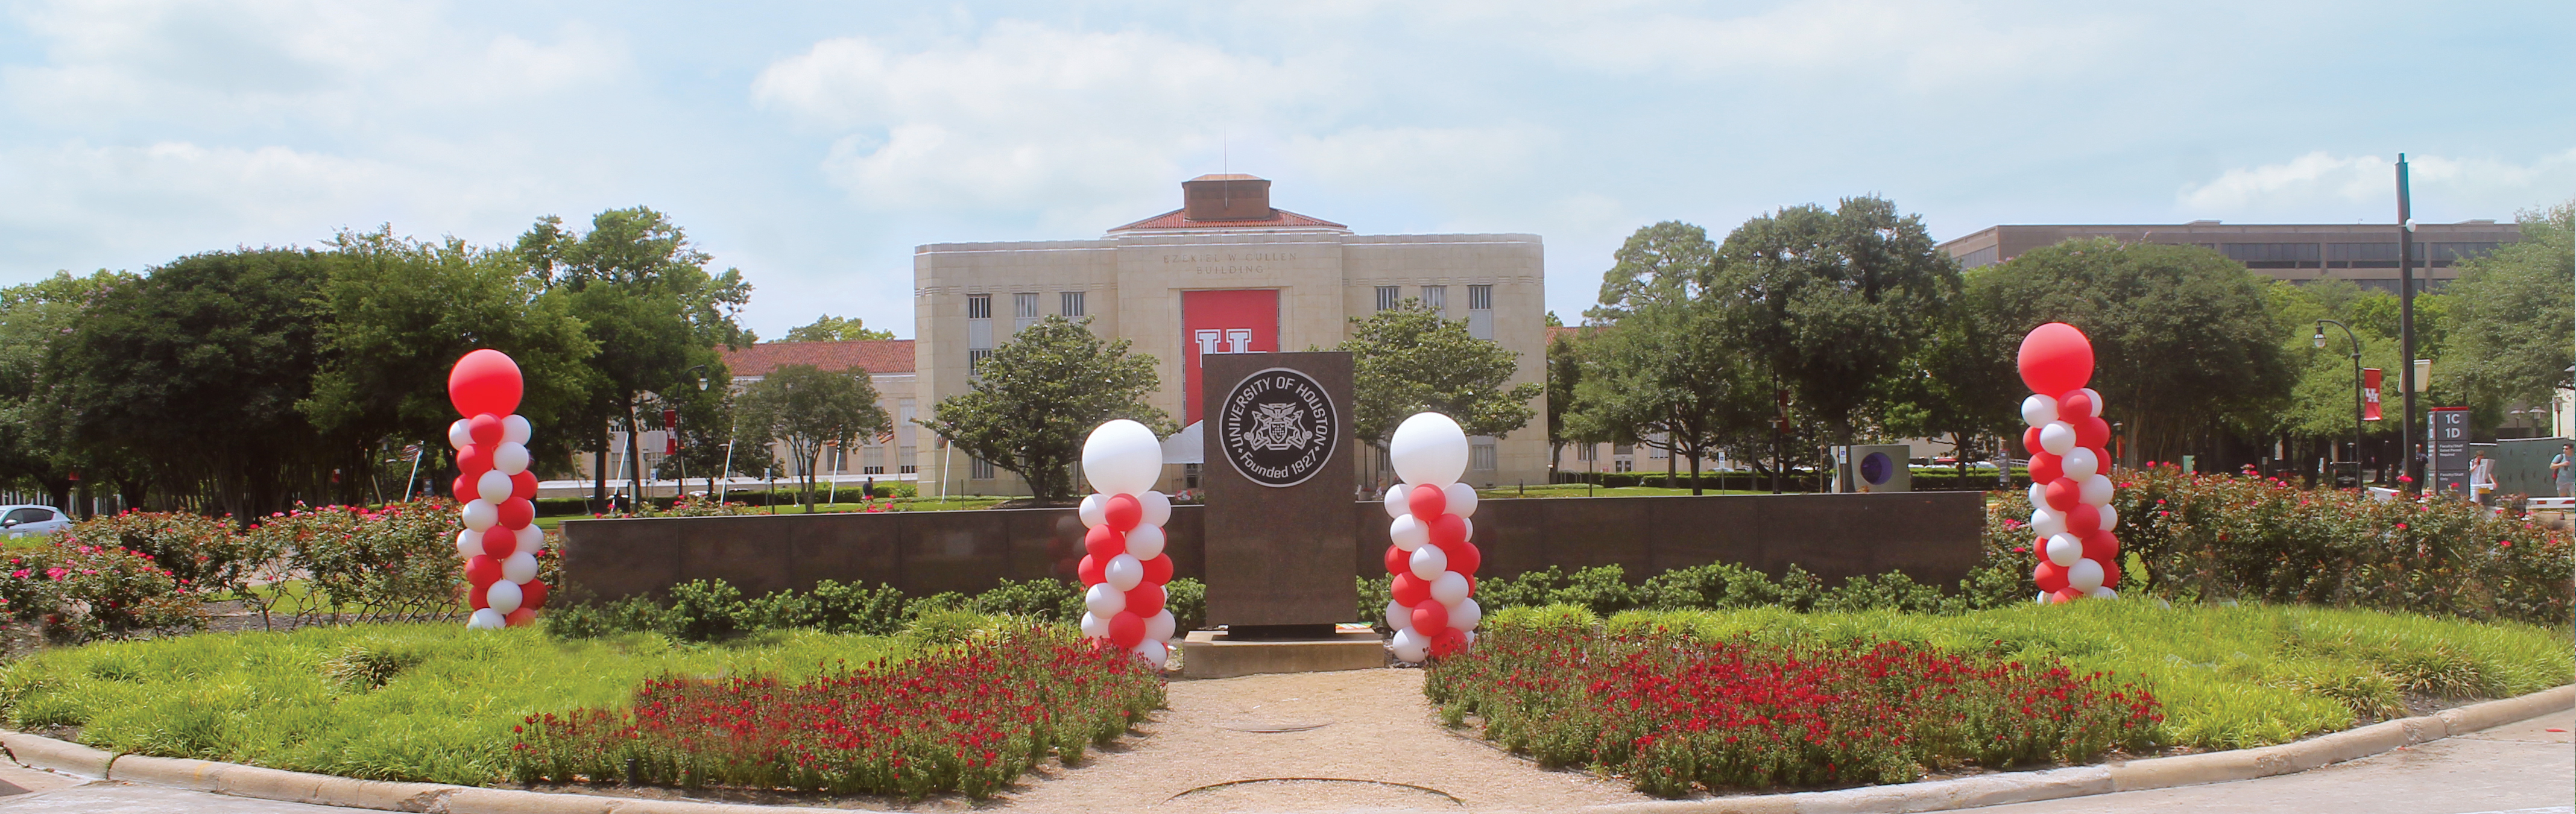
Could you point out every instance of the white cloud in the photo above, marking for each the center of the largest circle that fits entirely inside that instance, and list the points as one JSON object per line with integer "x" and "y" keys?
{"x": 2324, "y": 186}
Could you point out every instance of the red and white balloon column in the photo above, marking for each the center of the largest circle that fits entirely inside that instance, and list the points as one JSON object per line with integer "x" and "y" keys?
{"x": 1433, "y": 558}
{"x": 501, "y": 540}
{"x": 1124, "y": 568}
{"x": 2070, "y": 491}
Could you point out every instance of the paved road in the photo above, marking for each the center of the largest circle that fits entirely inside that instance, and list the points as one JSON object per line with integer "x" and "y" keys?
{"x": 2518, "y": 768}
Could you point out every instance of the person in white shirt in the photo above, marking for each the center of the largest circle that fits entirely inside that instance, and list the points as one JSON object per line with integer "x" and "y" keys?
{"x": 2481, "y": 478}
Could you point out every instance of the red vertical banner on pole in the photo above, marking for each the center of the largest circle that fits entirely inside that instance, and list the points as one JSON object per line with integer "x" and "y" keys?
{"x": 2370, "y": 394}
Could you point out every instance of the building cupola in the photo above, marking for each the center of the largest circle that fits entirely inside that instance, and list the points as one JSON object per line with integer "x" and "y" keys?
{"x": 1232, "y": 196}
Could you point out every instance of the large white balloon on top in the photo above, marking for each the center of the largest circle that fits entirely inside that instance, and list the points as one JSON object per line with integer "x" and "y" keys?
{"x": 1428, "y": 448}
{"x": 1122, "y": 457}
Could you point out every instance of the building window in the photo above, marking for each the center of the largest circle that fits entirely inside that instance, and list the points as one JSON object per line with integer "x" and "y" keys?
{"x": 1481, "y": 455}
{"x": 979, "y": 328}
{"x": 904, "y": 458}
{"x": 1024, "y": 312}
{"x": 2275, "y": 255}
{"x": 1436, "y": 298}
{"x": 1072, "y": 302}
{"x": 1623, "y": 465}
{"x": 979, "y": 469}
{"x": 1620, "y": 449}
{"x": 1189, "y": 476}
{"x": 1587, "y": 452}
{"x": 979, "y": 306}
{"x": 2361, "y": 255}
{"x": 2446, "y": 254}
{"x": 1388, "y": 297}
{"x": 1480, "y": 311}
{"x": 1979, "y": 258}
{"x": 975, "y": 361}
{"x": 871, "y": 470}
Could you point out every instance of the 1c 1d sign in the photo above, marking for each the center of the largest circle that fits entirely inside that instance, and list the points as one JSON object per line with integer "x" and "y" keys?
{"x": 1278, "y": 427}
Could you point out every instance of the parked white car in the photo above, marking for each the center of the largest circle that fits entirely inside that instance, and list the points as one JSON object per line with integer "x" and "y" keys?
{"x": 28, "y": 519}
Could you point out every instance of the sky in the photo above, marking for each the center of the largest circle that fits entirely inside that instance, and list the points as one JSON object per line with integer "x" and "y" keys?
{"x": 814, "y": 145}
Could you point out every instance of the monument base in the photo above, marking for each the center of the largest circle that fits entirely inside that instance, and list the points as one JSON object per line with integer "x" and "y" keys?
{"x": 1214, "y": 654}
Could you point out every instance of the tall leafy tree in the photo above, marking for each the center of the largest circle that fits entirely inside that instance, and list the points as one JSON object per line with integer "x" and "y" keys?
{"x": 1564, "y": 375}
{"x": 808, "y": 409}
{"x": 1667, "y": 262}
{"x": 33, "y": 316}
{"x": 647, "y": 301}
{"x": 2511, "y": 318}
{"x": 835, "y": 329}
{"x": 1407, "y": 360}
{"x": 1040, "y": 394}
{"x": 1665, "y": 374}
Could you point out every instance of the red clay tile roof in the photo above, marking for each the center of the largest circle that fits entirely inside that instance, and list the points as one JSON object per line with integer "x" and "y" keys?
{"x": 1279, "y": 219}
{"x": 871, "y": 355}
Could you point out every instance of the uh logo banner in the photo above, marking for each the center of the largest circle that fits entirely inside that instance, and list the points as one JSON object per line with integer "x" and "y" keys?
{"x": 1228, "y": 321}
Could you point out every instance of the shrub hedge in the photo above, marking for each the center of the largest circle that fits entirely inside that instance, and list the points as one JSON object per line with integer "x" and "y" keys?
{"x": 711, "y": 609}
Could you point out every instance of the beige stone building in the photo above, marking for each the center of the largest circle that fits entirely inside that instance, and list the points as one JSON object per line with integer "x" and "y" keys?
{"x": 1225, "y": 273}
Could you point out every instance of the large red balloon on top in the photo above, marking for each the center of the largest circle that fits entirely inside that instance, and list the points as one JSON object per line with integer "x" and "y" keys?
{"x": 485, "y": 381}
{"x": 2056, "y": 358}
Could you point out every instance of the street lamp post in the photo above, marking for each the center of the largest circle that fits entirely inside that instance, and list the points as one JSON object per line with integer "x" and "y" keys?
{"x": 2356, "y": 389}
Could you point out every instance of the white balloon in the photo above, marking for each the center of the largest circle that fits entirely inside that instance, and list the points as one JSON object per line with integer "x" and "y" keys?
{"x": 1468, "y": 527}
{"x": 1429, "y": 562}
{"x": 503, "y": 596}
{"x": 2045, "y": 521}
{"x": 1409, "y": 646}
{"x": 2096, "y": 491}
{"x": 2084, "y": 575}
{"x": 1093, "y": 510}
{"x": 1123, "y": 572}
{"x": 494, "y": 487}
{"x": 1428, "y": 448}
{"x": 469, "y": 543}
{"x": 2043, "y": 598}
{"x": 2081, "y": 463}
{"x": 1158, "y": 507}
{"x": 1160, "y": 626}
{"x": 1104, "y": 601}
{"x": 2103, "y": 592}
{"x": 531, "y": 538}
{"x": 486, "y": 619}
{"x": 1122, "y": 457}
{"x": 480, "y": 514}
{"x": 2064, "y": 550}
{"x": 1465, "y": 614}
{"x": 1466, "y": 637}
{"x": 2110, "y": 517}
{"x": 460, "y": 434}
{"x": 510, "y": 458}
{"x": 1449, "y": 588}
{"x": 1094, "y": 626}
{"x": 2039, "y": 495}
{"x": 1462, "y": 499}
{"x": 2094, "y": 396}
{"x": 1397, "y": 616}
{"x": 1145, "y": 542}
{"x": 2056, "y": 438}
{"x": 1408, "y": 533}
{"x": 1399, "y": 500}
{"x": 2038, "y": 410}
{"x": 519, "y": 567}
{"x": 1153, "y": 652}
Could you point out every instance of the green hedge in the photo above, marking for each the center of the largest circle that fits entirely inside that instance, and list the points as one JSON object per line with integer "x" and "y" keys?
{"x": 1925, "y": 479}
{"x": 566, "y": 506}
{"x": 711, "y": 609}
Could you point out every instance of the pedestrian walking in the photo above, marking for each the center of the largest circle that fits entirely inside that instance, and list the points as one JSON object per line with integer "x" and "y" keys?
{"x": 2481, "y": 478}
{"x": 2563, "y": 470}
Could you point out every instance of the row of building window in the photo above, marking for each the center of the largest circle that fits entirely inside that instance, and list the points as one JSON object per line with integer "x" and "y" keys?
{"x": 1436, "y": 297}
{"x": 2348, "y": 255}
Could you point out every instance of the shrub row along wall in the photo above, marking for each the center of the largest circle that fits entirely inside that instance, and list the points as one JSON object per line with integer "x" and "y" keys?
{"x": 1931, "y": 536}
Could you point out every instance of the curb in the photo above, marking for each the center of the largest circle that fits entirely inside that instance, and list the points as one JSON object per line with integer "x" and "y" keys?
{"x": 2134, "y": 775}
{"x": 260, "y": 783}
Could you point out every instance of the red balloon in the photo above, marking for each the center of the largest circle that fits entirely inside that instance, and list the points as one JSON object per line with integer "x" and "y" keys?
{"x": 2091, "y": 432}
{"x": 1448, "y": 530}
{"x": 1429, "y": 618}
{"x": 1122, "y": 512}
{"x": 485, "y": 428}
{"x": 1089, "y": 571}
{"x": 1463, "y": 556}
{"x": 520, "y": 618}
{"x": 2030, "y": 442}
{"x": 2064, "y": 493}
{"x": 1471, "y": 583}
{"x": 1410, "y": 590}
{"x": 2074, "y": 406}
{"x": 474, "y": 460}
{"x": 2110, "y": 574}
{"x": 523, "y": 486}
{"x": 2055, "y": 358}
{"x": 485, "y": 381}
{"x": 1104, "y": 543}
{"x": 2101, "y": 547}
{"x": 475, "y": 596}
{"x": 1158, "y": 570}
{"x": 2045, "y": 467}
{"x": 1126, "y": 629}
{"x": 2064, "y": 596}
{"x": 2082, "y": 519}
{"x": 499, "y": 543}
{"x": 465, "y": 489}
{"x": 1448, "y": 642}
{"x": 482, "y": 571}
{"x": 1428, "y": 501}
{"x": 1145, "y": 600}
{"x": 532, "y": 595}
{"x": 2049, "y": 576}
{"x": 517, "y": 513}
{"x": 1398, "y": 561}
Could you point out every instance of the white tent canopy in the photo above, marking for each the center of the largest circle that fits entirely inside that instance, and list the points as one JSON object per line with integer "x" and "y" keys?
{"x": 1189, "y": 446}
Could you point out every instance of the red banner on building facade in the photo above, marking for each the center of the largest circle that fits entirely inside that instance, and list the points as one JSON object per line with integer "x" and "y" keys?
{"x": 2370, "y": 394}
{"x": 1244, "y": 320}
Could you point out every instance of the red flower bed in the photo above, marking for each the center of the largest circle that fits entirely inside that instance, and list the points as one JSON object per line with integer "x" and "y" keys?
{"x": 1670, "y": 712}
{"x": 967, "y": 719}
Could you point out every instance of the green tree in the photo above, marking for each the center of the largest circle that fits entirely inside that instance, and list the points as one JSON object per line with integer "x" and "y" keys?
{"x": 808, "y": 409}
{"x": 2510, "y": 322}
{"x": 32, "y": 317}
{"x": 646, "y": 300}
{"x": 1040, "y": 394}
{"x": 1832, "y": 302}
{"x": 1564, "y": 375}
{"x": 1664, "y": 375}
{"x": 1408, "y": 360}
{"x": 1668, "y": 262}
{"x": 835, "y": 329}
{"x": 2184, "y": 340}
